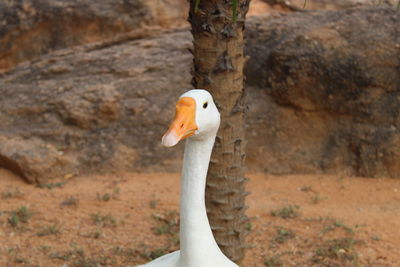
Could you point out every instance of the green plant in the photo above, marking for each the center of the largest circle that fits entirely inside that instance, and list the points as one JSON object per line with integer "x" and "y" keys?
{"x": 13, "y": 220}
{"x": 283, "y": 234}
{"x": 21, "y": 260}
{"x": 70, "y": 201}
{"x": 52, "y": 185}
{"x": 306, "y": 188}
{"x": 48, "y": 230}
{"x": 158, "y": 252}
{"x": 108, "y": 196}
{"x": 64, "y": 256}
{"x": 99, "y": 260}
{"x": 153, "y": 204}
{"x": 97, "y": 234}
{"x": 287, "y": 212}
{"x": 23, "y": 214}
{"x": 273, "y": 261}
{"x": 167, "y": 224}
{"x": 154, "y": 253}
{"x": 340, "y": 249}
{"x": 104, "y": 197}
{"x": 337, "y": 224}
{"x": 249, "y": 226}
{"x": 316, "y": 198}
{"x": 103, "y": 220}
{"x": 11, "y": 193}
{"x": 86, "y": 263}
{"x": 45, "y": 248}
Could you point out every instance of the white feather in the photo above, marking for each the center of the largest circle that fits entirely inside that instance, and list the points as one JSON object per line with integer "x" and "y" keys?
{"x": 198, "y": 246}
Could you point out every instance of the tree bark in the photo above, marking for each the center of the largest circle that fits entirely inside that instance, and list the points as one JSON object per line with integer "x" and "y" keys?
{"x": 218, "y": 68}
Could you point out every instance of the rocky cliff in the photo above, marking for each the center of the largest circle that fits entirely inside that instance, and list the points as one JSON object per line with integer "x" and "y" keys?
{"x": 323, "y": 96}
{"x": 30, "y": 28}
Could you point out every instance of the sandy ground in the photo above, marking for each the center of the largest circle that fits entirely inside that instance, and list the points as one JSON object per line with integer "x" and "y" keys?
{"x": 127, "y": 219}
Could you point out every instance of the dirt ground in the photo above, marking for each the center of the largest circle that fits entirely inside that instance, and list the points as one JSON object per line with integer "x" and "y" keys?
{"x": 127, "y": 219}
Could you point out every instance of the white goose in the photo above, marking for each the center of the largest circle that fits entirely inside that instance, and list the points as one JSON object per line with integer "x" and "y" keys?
{"x": 196, "y": 117}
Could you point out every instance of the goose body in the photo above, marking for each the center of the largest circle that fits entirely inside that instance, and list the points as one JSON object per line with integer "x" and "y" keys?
{"x": 197, "y": 119}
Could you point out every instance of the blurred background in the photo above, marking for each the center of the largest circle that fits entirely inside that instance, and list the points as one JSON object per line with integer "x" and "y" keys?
{"x": 88, "y": 87}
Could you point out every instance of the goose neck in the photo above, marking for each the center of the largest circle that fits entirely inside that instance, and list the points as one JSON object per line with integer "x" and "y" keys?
{"x": 197, "y": 241}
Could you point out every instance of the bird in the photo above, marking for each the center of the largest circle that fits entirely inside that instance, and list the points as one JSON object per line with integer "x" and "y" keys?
{"x": 197, "y": 120}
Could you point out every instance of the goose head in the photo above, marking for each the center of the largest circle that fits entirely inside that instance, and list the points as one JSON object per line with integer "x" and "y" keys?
{"x": 196, "y": 117}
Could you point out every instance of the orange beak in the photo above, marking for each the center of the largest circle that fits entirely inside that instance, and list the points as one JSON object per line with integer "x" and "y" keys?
{"x": 184, "y": 123}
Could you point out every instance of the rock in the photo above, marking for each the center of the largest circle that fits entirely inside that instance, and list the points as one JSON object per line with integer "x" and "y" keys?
{"x": 100, "y": 107}
{"x": 316, "y": 102}
{"x": 90, "y": 108}
{"x": 332, "y": 86}
{"x": 305, "y": 5}
{"x": 34, "y": 159}
{"x": 29, "y": 28}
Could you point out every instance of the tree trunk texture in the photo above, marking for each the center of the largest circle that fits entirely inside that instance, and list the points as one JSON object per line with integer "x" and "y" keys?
{"x": 218, "y": 68}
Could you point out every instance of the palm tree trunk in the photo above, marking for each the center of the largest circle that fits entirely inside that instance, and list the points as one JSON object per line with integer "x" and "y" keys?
{"x": 218, "y": 67}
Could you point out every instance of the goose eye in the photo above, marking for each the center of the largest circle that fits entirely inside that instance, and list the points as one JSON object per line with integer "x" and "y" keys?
{"x": 205, "y": 105}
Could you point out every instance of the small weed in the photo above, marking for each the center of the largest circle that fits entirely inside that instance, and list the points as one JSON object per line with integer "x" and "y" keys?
{"x": 340, "y": 249}
{"x": 249, "y": 226}
{"x": 48, "y": 230}
{"x": 11, "y": 193}
{"x": 69, "y": 202}
{"x": 316, "y": 198}
{"x": 347, "y": 228}
{"x": 104, "y": 197}
{"x": 283, "y": 234}
{"x": 376, "y": 238}
{"x": 103, "y": 220}
{"x": 153, "y": 203}
{"x": 21, "y": 260}
{"x": 155, "y": 253}
{"x": 337, "y": 224}
{"x": 14, "y": 220}
{"x": 86, "y": 263}
{"x": 52, "y": 185}
{"x": 45, "y": 249}
{"x": 108, "y": 196}
{"x": 94, "y": 262}
{"x": 273, "y": 261}
{"x": 168, "y": 224}
{"x": 97, "y": 234}
{"x": 64, "y": 256}
{"x": 287, "y": 212}
{"x": 307, "y": 188}
{"x": 23, "y": 214}
{"x": 118, "y": 250}
{"x": 78, "y": 251}
{"x": 116, "y": 191}
{"x": 128, "y": 253}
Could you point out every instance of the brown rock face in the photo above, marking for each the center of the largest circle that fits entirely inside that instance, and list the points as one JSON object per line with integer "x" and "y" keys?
{"x": 324, "y": 93}
{"x": 99, "y": 107}
{"x": 331, "y": 85}
{"x": 305, "y": 5}
{"x": 34, "y": 159}
{"x": 29, "y": 28}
